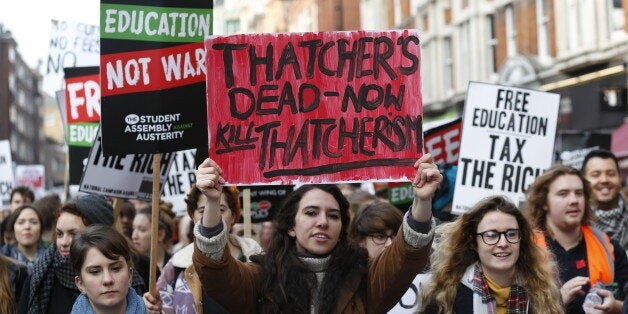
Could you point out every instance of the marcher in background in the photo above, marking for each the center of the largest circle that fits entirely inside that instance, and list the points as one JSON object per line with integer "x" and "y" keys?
{"x": 310, "y": 266}
{"x": 142, "y": 232}
{"x": 487, "y": 262}
{"x": 19, "y": 196}
{"x": 101, "y": 258}
{"x": 357, "y": 200}
{"x": 375, "y": 226}
{"x": 26, "y": 225}
{"x": 48, "y": 206}
{"x": 179, "y": 286}
{"x": 127, "y": 215}
{"x": 601, "y": 169}
{"x": 558, "y": 208}
{"x": 13, "y": 274}
{"x": 51, "y": 288}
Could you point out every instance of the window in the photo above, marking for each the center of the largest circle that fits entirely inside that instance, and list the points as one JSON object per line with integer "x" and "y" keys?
{"x": 492, "y": 44}
{"x": 573, "y": 25}
{"x": 542, "y": 21}
{"x": 448, "y": 72}
{"x": 233, "y": 26}
{"x": 511, "y": 31}
{"x": 616, "y": 19}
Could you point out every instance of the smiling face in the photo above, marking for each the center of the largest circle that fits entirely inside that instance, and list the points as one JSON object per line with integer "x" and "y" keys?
{"x": 27, "y": 228}
{"x": 605, "y": 180}
{"x": 104, "y": 281}
{"x": 68, "y": 225}
{"x": 498, "y": 260}
{"x": 565, "y": 203}
{"x": 317, "y": 224}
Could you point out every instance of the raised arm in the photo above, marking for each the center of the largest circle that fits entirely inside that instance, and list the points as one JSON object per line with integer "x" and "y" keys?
{"x": 425, "y": 183}
{"x": 209, "y": 181}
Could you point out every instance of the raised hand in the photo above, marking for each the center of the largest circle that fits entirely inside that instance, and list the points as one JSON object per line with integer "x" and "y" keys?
{"x": 209, "y": 181}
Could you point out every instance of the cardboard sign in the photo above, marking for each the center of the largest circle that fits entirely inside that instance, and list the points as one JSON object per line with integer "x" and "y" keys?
{"x": 265, "y": 200}
{"x": 32, "y": 176}
{"x": 508, "y": 141}
{"x": 180, "y": 180}
{"x": 153, "y": 75}
{"x": 82, "y": 108}
{"x": 6, "y": 174}
{"x": 124, "y": 176}
{"x": 71, "y": 45}
{"x": 315, "y": 107}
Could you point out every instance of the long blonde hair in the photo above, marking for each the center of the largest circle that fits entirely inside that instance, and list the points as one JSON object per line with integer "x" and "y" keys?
{"x": 458, "y": 251}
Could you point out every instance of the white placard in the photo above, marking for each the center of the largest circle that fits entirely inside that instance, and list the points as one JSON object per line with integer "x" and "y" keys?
{"x": 180, "y": 180}
{"x": 32, "y": 176}
{"x": 71, "y": 45}
{"x": 124, "y": 176}
{"x": 508, "y": 138}
{"x": 6, "y": 174}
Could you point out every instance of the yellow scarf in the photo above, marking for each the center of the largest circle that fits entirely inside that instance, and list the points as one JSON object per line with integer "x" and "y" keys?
{"x": 500, "y": 294}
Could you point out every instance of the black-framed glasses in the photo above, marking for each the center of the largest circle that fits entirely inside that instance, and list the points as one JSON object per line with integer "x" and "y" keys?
{"x": 381, "y": 238}
{"x": 491, "y": 237}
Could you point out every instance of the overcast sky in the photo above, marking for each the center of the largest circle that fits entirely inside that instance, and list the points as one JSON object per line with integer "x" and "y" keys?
{"x": 29, "y": 22}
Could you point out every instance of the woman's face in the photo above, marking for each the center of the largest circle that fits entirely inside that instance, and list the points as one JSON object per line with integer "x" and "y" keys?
{"x": 498, "y": 259}
{"x": 68, "y": 225}
{"x": 27, "y": 228}
{"x": 141, "y": 233}
{"x": 375, "y": 243}
{"x": 317, "y": 223}
{"x": 104, "y": 281}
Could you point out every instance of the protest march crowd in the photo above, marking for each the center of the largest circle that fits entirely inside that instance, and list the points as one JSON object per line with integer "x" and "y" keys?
{"x": 331, "y": 248}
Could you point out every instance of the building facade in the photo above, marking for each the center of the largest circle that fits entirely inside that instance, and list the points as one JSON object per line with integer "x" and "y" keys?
{"x": 22, "y": 114}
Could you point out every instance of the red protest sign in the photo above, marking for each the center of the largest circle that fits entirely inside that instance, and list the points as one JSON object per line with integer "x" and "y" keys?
{"x": 315, "y": 107}
{"x": 443, "y": 142}
{"x": 82, "y": 94}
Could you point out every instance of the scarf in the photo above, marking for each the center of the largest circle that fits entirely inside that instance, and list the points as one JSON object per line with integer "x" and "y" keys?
{"x": 134, "y": 304}
{"x": 517, "y": 298}
{"x": 612, "y": 221}
{"x": 50, "y": 267}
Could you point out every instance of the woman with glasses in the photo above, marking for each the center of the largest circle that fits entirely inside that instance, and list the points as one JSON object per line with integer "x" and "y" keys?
{"x": 375, "y": 226}
{"x": 558, "y": 205}
{"x": 487, "y": 262}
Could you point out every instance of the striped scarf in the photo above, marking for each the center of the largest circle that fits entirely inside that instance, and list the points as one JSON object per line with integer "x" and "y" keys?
{"x": 517, "y": 298}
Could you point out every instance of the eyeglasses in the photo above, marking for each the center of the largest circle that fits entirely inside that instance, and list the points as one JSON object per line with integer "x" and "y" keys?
{"x": 491, "y": 237}
{"x": 380, "y": 238}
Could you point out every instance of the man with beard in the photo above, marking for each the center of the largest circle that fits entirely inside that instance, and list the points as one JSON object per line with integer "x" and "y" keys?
{"x": 601, "y": 169}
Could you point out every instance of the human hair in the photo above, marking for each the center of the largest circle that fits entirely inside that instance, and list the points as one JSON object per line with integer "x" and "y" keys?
{"x": 71, "y": 208}
{"x": 16, "y": 215}
{"x": 284, "y": 285}
{"x": 598, "y": 153}
{"x": 26, "y": 193}
{"x": 459, "y": 250}
{"x": 358, "y": 199}
{"x": 111, "y": 243}
{"x": 191, "y": 200}
{"x": 166, "y": 218}
{"x": 537, "y": 197}
{"x": 232, "y": 196}
{"x": 7, "y": 296}
{"x": 48, "y": 207}
{"x": 375, "y": 217}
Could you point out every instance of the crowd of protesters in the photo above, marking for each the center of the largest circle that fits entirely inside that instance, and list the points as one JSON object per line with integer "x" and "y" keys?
{"x": 328, "y": 249}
